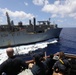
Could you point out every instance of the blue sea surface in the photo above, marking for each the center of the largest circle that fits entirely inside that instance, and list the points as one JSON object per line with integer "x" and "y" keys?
{"x": 67, "y": 42}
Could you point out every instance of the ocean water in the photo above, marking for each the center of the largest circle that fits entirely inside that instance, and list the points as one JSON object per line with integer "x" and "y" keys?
{"x": 67, "y": 44}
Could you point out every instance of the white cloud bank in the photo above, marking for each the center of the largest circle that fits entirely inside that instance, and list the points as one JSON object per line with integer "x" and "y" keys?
{"x": 40, "y": 2}
{"x": 17, "y": 14}
{"x": 62, "y": 8}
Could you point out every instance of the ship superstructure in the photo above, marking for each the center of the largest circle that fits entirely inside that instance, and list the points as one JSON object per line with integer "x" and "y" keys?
{"x": 12, "y": 35}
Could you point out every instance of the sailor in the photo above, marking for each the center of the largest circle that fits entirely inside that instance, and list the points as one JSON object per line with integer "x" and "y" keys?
{"x": 37, "y": 67}
{"x": 50, "y": 62}
{"x": 62, "y": 66}
{"x": 13, "y": 65}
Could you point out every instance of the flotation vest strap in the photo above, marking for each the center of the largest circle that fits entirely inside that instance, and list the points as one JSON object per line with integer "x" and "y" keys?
{"x": 61, "y": 61}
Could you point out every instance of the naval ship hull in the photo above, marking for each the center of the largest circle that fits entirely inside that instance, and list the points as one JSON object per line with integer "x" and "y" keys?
{"x": 21, "y": 37}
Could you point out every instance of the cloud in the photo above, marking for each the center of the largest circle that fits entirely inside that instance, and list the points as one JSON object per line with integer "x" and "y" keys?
{"x": 26, "y": 4}
{"x": 40, "y": 2}
{"x": 60, "y": 20}
{"x": 54, "y": 15}
{"x": 62, "y": 8}
{"x": 17, "y": 14}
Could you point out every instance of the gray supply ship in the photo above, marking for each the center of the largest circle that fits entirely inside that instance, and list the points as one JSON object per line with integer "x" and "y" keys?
{"x": 14, "y": 35}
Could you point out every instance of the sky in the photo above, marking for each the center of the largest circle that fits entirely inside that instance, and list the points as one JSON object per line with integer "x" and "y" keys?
{"x": 61, "y": 12}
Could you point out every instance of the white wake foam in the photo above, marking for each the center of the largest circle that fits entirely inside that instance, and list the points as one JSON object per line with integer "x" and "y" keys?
{"x": 26, "y": 48}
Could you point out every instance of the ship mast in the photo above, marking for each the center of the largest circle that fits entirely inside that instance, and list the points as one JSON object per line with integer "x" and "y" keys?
{"x": 9, "y": 22}
{"x": 34, "y": 24}
{"x": 8, "y": 19}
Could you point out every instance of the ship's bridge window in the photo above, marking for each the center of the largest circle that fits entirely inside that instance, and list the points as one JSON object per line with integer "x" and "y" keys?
{"x": 44, "y": 22}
